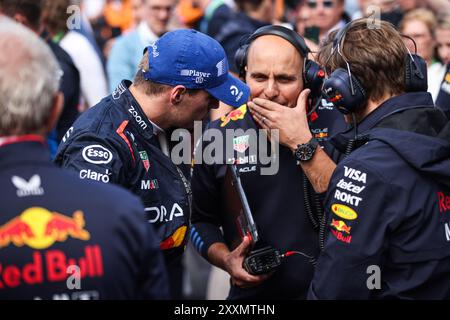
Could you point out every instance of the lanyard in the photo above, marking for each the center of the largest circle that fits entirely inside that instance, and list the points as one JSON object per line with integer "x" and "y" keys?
{"x": 186, "y": 184}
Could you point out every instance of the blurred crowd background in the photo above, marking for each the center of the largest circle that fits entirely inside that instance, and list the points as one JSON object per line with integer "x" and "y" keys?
{"x": 107, "y": 44}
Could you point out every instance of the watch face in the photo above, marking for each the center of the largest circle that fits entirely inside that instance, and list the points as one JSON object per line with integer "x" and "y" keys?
{"x": 304, "y": 153}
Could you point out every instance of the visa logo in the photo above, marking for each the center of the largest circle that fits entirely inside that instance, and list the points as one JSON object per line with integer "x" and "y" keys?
{"x": 355, "y": 174}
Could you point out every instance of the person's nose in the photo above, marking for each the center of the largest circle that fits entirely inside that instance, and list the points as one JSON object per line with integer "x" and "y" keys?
{"x": 164, "y": 14}
{"x": 271, "y": 90}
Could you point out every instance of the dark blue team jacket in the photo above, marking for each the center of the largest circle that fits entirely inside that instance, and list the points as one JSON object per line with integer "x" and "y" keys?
{"x": 52, "y": 223}
{"x": 277, "y": 201}
{"x": 114, "y": 142}
{"x": 388, "y": 207}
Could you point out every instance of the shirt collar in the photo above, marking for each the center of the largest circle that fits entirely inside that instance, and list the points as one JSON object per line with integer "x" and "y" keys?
{"x": 156, "y": 129}
{"x": 123, "y": 97}
{"x": 24, "y": 151}
{"x": 146, "y": 35}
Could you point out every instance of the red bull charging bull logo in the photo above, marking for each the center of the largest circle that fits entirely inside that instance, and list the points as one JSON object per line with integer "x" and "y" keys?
{"x": 340, "y": 225}
{"x": 234, "y": 115}
{"x": 39, "y": 228}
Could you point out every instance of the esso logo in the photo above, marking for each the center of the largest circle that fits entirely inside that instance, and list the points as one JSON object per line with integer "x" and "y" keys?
{"x": 97, "y": 154}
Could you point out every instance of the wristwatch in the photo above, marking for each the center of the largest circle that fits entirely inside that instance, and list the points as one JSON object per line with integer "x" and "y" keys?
{"x": 305, "y": 152}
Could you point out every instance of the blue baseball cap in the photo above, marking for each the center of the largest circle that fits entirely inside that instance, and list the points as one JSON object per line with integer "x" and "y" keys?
{"x": 192, "y": 59}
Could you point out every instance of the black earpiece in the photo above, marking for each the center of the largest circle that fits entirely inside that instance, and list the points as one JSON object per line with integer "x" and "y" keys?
{"x": 415, "y": 73}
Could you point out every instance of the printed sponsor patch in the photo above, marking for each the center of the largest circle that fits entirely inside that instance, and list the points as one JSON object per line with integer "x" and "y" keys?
{"x": 97, "y": 154}
{"x": 343, "y": 211}
{"x": 234, "y": 115}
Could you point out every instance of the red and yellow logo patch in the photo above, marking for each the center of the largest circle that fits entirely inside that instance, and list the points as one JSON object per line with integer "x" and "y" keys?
{"x": 39, "y": 228}
{"x": 234, "y": 115}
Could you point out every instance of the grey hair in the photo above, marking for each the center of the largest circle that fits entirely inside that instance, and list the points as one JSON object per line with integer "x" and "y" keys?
{"x": 29, "y": 80}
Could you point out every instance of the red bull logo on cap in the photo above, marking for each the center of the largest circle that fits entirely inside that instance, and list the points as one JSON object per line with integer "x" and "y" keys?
{"x": 38, "y": 228}
{"x": 234, "y": 115}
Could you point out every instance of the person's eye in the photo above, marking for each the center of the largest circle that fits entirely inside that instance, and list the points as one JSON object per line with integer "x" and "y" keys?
{"x": 285, "y": 80}
{"x": 259, "y": 78}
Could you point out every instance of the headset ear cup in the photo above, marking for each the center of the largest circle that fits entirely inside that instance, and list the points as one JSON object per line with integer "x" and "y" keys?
{"x": 313, "y": 77}
{"x": 358, "y": 86}
{"x": 240, "y": 59}
{"x": 337, "y": 89}
{"x": 415, "y": 73}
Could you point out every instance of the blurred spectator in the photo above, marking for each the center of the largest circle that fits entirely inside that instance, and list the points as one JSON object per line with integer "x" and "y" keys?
{"x": 304, "y": 21}
{"x": 408, "y": 5}
{"x": 442, "y": 34}
{"x": 215, "y": 14}
{"x": 28, "y": 13}
{"x": 420, "y": 24}
{"x": 304, "y": 25}
{"x": 361, "y": 11}
{"x": 93, "y": 8}
{"x": 119, "y": 14}
{"x": 328, "y": 15}
{"x": 127, "y": 50}
{"x": 190, "y": 13}
{"x": 86, "y": 30}
{"x": 393, "y": 11}
{"x": 251, "y": 15}
{"x": 93, "y": 80}
{"x": 138, "y": 14}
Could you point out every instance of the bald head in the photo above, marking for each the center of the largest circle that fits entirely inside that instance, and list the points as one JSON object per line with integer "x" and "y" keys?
{"x": 279, "y": 51}
{"x": 274, "y": 70}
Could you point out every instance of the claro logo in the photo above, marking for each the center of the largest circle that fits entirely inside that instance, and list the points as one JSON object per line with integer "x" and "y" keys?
{"x": 97, "y": 154}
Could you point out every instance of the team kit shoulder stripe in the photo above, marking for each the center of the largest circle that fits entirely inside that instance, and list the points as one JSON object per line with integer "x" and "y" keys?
{"x": 120, "y": 132}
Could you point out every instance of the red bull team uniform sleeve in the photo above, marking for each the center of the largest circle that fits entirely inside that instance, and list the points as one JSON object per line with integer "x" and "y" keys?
{"x": 358, "y": 220}
{"x": 93, "y": 157}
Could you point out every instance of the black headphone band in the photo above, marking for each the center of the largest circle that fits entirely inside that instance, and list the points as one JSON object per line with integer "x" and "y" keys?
{"x": 312, "y": 73}
{"x": 287, "y": 34}
{"x": 340, "y": 35}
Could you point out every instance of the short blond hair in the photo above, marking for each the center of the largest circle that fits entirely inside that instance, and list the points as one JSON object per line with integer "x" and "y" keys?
{"x": 424, "y": 15}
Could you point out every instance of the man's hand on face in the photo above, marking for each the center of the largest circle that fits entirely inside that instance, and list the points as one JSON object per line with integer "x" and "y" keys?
{"x": 234, "y": 266}
{"x": 292, "y": 123}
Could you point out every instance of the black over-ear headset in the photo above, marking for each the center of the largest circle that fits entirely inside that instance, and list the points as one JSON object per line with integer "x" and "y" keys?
{"x": 313, "y": 75}
{"x": 346, "y": 92}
